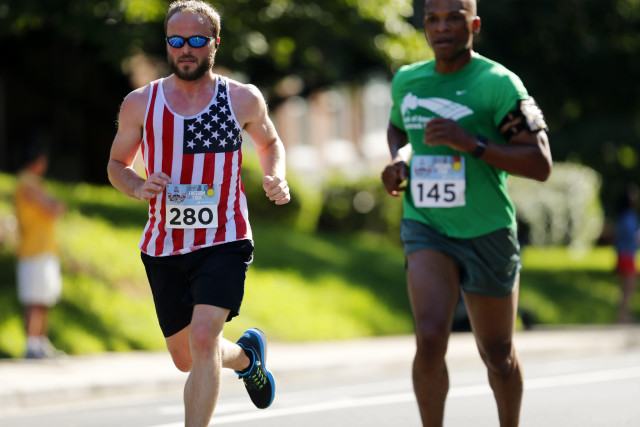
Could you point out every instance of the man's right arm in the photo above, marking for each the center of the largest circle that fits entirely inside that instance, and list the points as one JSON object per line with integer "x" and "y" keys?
{"x": 125, "y": 147}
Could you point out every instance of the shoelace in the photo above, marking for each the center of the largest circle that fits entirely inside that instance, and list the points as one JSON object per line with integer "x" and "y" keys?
{"x": 256, "y": 379}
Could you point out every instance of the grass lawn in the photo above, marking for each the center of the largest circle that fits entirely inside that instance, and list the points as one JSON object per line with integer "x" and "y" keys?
{"x": 302, "y": 285}
{"x": 563, "y": 287}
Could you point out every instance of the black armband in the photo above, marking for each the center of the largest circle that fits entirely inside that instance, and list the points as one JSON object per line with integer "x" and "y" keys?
{"x": 526, "y": 116}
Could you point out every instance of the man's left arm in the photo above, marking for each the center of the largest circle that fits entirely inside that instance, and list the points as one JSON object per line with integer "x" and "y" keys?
{"x": 527, "y": 152}
{"x": 525, "y": 130}
{"x": 271, "y": 154}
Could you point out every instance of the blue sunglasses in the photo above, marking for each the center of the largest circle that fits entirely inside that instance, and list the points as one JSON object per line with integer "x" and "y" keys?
{"x": 194, "y": 41}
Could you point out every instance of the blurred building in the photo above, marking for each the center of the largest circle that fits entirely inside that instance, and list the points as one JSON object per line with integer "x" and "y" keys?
{"x": 340, "y": 129}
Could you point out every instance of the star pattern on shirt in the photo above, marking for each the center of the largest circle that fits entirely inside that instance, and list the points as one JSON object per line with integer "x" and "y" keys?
{"x": 214, "y": 130}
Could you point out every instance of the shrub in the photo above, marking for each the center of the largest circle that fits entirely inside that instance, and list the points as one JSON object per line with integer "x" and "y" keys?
{"x": 565, "y": 210}
{"x": 359, "y": 205}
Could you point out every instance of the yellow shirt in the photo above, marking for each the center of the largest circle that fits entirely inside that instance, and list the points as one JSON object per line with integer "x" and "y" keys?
{"x": 36, "y": 225}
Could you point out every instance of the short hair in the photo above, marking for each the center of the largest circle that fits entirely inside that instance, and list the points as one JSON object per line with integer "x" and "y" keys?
{"x": 195, "y": 7}
{"x": 473, "y": 5}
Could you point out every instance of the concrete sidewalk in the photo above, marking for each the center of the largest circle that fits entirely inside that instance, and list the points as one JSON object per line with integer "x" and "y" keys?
{"x": 29, "y": 383}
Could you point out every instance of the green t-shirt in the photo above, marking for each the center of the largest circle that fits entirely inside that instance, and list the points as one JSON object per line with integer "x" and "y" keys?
{"x": 462, "y": 197}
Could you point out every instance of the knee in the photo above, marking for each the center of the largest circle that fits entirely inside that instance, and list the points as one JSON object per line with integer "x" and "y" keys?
{"x": 500, "y": 358}
{"x": 204, "y": 342}
{"x": 431, "y": 341}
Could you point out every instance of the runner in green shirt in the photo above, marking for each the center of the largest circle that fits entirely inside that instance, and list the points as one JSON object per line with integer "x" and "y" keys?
{"x": 470, "y": 123}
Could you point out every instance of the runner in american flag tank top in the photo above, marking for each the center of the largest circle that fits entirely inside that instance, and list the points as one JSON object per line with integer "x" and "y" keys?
{"x": 201, "y": 149}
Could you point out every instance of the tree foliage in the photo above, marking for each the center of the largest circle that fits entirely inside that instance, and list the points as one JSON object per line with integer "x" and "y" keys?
{"x": 264, "y": 39}
{"x": 321, "y": 43}
{"x": 579, "y": 59}
{"x": 69, "y": 58}
{"x": 66, "y": 65}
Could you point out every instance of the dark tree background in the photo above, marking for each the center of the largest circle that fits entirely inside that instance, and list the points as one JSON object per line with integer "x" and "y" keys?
{"x": 64, "y": 68}
{"x": 580, "y": 60}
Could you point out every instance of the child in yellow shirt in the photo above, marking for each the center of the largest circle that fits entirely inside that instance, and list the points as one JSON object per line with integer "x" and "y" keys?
{"x": 38, "y": 271}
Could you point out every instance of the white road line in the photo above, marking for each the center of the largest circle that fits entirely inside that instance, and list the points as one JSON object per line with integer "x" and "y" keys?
{"x": 583, "y": 378}
{"x": 463, "y": 391}
{"x": 304, "y": 409}
{"x": 221, "y": 409}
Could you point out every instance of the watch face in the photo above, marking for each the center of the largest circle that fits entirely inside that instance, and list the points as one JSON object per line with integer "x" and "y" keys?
{"x": 480, "y": 147}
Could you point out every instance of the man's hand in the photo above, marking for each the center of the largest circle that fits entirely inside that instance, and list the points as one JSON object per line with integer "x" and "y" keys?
{"x": 154, "y": 185}
{"x": 441, "y": 131}
{"x": 277, "y": 189}
{"x": 393, "y": 176}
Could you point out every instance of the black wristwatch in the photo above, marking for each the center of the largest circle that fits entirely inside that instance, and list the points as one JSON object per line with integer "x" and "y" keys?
{"x": 482, "y": 145}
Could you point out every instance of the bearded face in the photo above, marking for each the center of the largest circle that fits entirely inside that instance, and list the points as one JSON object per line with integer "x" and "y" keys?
{"x": 188, "y": 67}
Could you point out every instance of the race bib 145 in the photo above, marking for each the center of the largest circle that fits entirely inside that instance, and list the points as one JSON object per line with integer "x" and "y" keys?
{"x": 438, "y": 181}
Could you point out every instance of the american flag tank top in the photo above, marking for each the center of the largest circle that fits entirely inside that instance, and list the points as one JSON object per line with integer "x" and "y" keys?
{"x": 201, "y": 149}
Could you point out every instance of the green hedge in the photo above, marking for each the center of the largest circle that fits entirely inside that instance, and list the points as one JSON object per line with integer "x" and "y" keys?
{"x": 359, "y": 205}
{"x": 565, "y": 210}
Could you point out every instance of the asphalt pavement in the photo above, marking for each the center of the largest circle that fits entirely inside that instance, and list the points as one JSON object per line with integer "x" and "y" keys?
{"x": 31, "y": 383}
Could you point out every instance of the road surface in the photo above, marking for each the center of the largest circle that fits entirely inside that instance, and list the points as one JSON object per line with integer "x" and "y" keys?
{"x": 599, "y": 390}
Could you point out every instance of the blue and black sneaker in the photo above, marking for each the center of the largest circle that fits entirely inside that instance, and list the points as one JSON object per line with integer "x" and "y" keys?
{"x": 257, "y": 379}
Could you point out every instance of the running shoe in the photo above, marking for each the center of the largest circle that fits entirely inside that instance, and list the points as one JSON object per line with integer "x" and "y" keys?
{"x": 44, "y": 350}
{"x": 257, "y": 379}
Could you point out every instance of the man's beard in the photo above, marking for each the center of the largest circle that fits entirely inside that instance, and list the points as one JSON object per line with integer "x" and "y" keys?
{"x": 192, "y": 75}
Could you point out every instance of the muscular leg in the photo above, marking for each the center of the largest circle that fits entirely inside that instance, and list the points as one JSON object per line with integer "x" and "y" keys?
{"x": 201, "y": 349}
{"x": 433, "y": 281}
{"x": 493, "y": 323}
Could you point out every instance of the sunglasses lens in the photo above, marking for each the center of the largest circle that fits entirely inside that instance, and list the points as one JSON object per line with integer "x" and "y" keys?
{"x": 197, "y": 41}
{"x": 176, "y": 41}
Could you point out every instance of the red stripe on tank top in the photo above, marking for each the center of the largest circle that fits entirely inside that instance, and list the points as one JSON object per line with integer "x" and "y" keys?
{"x": 241, "y": 224}
{"x": 167, "y": 159}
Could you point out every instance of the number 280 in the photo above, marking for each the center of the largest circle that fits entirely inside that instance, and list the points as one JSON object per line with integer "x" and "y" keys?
{"x": 188, "y": 216}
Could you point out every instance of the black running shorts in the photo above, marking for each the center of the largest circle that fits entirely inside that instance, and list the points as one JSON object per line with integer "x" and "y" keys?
{"x": 213, "y": 275}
